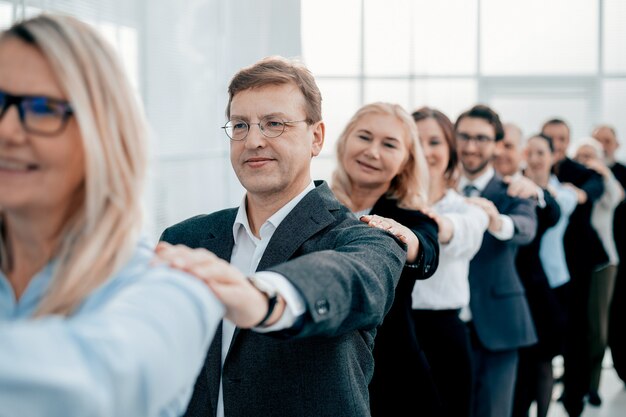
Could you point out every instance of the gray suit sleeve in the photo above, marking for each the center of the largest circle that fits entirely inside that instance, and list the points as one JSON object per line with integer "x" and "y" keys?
{"x": 349, "y": 287}
{"x": 524, "y": 216}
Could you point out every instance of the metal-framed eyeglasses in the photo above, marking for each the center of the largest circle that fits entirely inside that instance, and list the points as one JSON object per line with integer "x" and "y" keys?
{"x": 479, "y": 140}
{"x": 270, "y": 127}
{"x": 40, "y": 115}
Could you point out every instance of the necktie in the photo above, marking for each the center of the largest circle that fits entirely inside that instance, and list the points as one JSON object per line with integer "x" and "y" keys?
{"x": 470, "y": 191}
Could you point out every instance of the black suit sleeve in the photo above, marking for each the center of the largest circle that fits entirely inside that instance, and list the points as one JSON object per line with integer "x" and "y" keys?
{"x": 428, "y": 255}
{"x": 550, "y": 214}
{"x": 426, "y": 231}
{"x": 593, "y": 186}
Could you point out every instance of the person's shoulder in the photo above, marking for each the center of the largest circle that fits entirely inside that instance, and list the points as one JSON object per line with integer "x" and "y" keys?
{"x": 199, "y": 225}
{"x": 496, "y": 188}
{"x": 139, "y": 270}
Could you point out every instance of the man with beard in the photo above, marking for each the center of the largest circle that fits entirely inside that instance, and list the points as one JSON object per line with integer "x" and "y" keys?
{"x": 498, "y": 318}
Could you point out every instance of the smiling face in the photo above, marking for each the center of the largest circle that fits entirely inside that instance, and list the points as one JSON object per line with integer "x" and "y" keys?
{"x": 508, "y": 153}
{"x": 539, "y": 158}
{"x": 274, "y": 168}
{"x": 436, "y": 149}
{"x": 376, "y": 150}
{"x": 586, "y": 154}
{"x": 559, "y": 133}
{"x": 607, "y": 139}
{"x": 36, "y": 172}
{"x": 475, "y": 155}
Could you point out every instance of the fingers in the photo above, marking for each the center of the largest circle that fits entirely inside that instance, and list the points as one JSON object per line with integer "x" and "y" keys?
{"x": 389, "y": 225}
{"x": 378, "y": 221}
{"x": 522, "y": 187}
{"x": 181, "y": 256}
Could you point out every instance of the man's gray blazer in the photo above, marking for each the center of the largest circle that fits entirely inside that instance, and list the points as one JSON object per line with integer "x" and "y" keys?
{"x": 346, "y": 273}
{"x": 500, "y": 312}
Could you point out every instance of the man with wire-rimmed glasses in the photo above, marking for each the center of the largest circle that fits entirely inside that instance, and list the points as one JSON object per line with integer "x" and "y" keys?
{"x": 306, "y": 284}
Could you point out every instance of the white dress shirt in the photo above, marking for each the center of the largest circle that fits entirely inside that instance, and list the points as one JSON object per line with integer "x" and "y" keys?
{"x": 448, "y": 288}
{"x": 247, "y": 253}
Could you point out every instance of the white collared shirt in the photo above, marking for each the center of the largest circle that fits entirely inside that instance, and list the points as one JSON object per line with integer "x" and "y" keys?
{"x": 449, "y": 288}
{"x": 507, "y": 230}
{"x": 247, "y": 253}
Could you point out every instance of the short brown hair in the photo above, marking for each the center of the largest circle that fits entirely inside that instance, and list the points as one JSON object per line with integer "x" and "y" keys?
{"x": 276, "y": 70}
{"x": 555, "y": 122}
{"x": 481, "y": 111}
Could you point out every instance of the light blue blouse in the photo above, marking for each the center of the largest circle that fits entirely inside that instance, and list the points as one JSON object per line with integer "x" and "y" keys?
{"x": 133, "y": 348}
{"x": 551, "y": 252}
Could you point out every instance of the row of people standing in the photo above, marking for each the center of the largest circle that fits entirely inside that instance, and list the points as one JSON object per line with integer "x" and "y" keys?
{"x": 427, "y": 360}
{"x": 523, "y": 276}
{"x": 317, "y": 303}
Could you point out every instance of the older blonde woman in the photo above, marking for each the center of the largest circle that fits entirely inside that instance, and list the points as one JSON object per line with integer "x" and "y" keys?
{"x": 88, "y": 326}
{"x": 381, "y": 175}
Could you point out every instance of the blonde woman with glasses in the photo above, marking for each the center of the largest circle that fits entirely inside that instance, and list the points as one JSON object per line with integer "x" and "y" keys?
{"x": 88, "y": 326}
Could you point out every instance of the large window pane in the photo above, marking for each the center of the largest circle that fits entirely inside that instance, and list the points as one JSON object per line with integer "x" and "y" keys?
{"x": 387, "y": 37}
{"x": 331, "y": 33}
{"x": 340, "y": 100}
{"x": 393, "y": 91}
{"x": 539, "y": 37}
{"x": 444, "y": 42}
{"x": 614, "y": 31}
{"x": 6, "y": 15}
{"x": 322, "y": 167}
{"x": 450, "y": 96}
{"x": 530, "y": 112}
{"x": 614, "y": 103}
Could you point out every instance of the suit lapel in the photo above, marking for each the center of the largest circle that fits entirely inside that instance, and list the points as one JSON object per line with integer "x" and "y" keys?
{"x": 304, "y": 221}
{"x": 221, "y": 246}
{"x": 220, "y": 239}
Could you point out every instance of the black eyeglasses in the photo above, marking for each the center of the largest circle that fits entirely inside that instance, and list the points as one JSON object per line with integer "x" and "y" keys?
{"x": 480, "y": 140}
{"x": 270, "y": 127}
{"x": 41, "y": 115}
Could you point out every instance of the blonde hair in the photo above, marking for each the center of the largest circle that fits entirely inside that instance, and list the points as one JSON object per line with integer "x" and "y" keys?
{"x": 409, "y": 187}
{"x": 101, "y": 234}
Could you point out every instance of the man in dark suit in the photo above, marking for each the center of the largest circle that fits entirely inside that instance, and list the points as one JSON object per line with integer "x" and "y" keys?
{"x": 300, "y": 328}
{"x": 583, "y": 253}
{"x": 499, "y": 317}
{"x": 607, "y": 136}
{"x": 534, "y": 373}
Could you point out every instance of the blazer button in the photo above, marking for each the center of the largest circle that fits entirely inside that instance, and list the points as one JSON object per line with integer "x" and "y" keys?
{"x": 322, "y": 307}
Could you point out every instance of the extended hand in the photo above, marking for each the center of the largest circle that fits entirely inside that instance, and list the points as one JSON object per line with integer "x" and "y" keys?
{"x": 398, "y": 230}
{"x": 521, "y": 187}
{"x": 495, "y": 223}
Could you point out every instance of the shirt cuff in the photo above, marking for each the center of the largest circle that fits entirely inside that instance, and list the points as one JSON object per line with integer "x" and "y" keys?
{"x": 294, "y": 303}
{"x": 507, "y": 229}
{"x": 541, "y": 200}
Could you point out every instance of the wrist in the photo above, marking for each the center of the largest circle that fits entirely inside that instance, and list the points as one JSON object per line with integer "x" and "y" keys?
{"x": 270, "y": 295}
